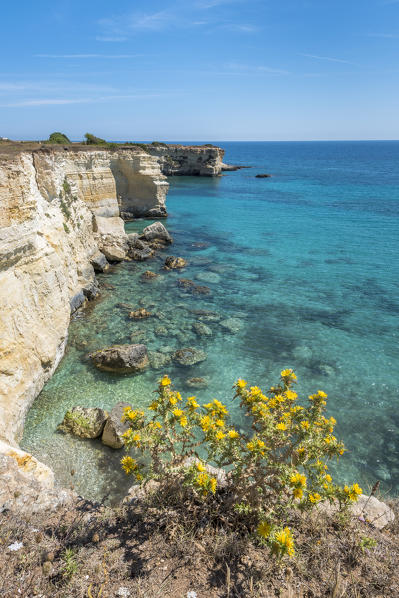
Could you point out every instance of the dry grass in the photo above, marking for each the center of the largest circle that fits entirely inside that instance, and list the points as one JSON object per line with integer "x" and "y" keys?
{"x": 153, "y": 551}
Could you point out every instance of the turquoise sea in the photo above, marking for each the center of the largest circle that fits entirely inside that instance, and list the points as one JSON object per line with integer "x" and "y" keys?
{"x": 306, "y": 261}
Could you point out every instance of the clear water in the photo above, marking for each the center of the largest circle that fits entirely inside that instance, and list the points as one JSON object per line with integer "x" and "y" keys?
{"x": 306, "y": 260}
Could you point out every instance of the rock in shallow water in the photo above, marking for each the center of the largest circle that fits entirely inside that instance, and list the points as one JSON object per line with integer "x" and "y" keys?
{"x": 156, "y": 230}
{"x": 189, "y": 356}
{"x": 197, "y": 382}
{"x": 233, "y": 325}
{"x": 202, "y": 329}
{"x": 174, "y": 263}
{"x": 114, "y": 427}
{"x": 121, "y": 359}
{"x": 158, "y": 360}
{"x": 209, "y": 277}
{"x": 84, "y": 422}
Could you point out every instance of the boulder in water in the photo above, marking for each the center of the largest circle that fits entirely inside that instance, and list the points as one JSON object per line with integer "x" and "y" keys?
{"x": 198, "y": 382}
{"x": 233, "y": 325}
{"x": 174, "y": 263}
{"x": 85, "y": 422}
{"x": 189, "y": 356}
{"x": 115, "y": 427}
{"x": 121, "y": 359}
{"x": 208, "y": 277}
{"x": 156, "y": 230}
{"x": 202, "y": 329}
{"x": 140, "y": 314}
{"x": 148, "y": 275}
{"x": 158, "y": 360}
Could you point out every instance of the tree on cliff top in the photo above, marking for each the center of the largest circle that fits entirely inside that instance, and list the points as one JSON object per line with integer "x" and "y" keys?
{"x": 93, "y": 140}
{"x": 58, "y": 137}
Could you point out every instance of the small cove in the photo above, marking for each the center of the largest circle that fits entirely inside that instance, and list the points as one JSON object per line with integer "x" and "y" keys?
{"x": 305, "y": 263}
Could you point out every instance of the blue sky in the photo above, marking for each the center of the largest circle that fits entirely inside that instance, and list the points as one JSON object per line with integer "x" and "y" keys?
{"x": 200, "y": 69}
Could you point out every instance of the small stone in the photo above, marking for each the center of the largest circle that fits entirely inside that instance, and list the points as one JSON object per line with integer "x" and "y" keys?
{"x": 208, "y": 277}
{"x": 197, "y": 382}
{"x": 189, "y": 356}
{"x": 174, "y": 263}
{"x": 140, "y": 314}
{"x": 202, "y": 329}
{"x": 233, "y": 325}
{"x": 149, "y": 275}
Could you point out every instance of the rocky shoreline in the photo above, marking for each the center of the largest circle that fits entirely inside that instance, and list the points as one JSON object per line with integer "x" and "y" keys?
{"x": 60, "y": 222}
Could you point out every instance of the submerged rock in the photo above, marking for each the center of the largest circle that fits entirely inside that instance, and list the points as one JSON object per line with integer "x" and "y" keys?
{"x": 210, "y": 277}
{"x": 114, "y": 427}
{"x": 121, "y": 359}
{"x": 156, "y": 230}
{"x": 158, "y": 360}
{"x": 189, "y": 286}
{"x": 174, "y": 263}
{"x": 140, "y": 314}
{"x": 206, "y": 316}
{"x": 233, "y": 325}
{"x": 202, "y": 329}
{"x": 148, "y": 275}
{"x": 197, "y": 382}
{"x": 138, "y": 335}
{"x": 85, "y": 422}
{"x": 189, "y": 356}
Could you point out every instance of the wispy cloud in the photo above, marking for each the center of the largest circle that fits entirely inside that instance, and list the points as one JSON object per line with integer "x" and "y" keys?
{"x": 110, "y": 38}
{"x": 84, "y": 56}
{"x": 93, "y": 100}
{"x": 236, "y": 67}
{"x": 382, "y": 35}
{"x": 328, "y": 58}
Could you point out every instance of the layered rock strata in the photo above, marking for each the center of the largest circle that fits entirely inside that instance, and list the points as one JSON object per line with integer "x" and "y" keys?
{"x": 188, "y": 160}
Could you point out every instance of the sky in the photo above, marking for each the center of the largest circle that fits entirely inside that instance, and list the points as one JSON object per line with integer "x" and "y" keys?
{"x": 202, "y": 70}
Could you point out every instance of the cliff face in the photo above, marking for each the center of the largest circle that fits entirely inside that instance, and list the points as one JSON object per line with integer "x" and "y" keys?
{"x": 193, "y": 160}
{"x": 57, "y": 211}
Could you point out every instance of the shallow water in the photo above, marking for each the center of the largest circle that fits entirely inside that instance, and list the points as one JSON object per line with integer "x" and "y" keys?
{"x": 306, "y": 261}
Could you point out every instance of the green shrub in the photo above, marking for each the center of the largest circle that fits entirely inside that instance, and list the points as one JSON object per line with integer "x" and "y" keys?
{"x": 278, "y": 466}
{"x": 93, "y": 140}
{"x": 58, "y": 137}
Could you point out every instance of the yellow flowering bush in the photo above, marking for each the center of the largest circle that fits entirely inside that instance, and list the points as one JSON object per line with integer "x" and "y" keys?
{"x": 278, "y": 466}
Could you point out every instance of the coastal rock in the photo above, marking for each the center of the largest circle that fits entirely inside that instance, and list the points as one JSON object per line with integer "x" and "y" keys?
{"x": 233, "y": 325}
{"x": 158, "y": 360}
{"x": 367, "y": 508}
{"x": 84, "y": 422}
{"x": 207, "y": 316}
{"x": 140, "y": 251}
{"x": 189, "y": 286}
{"x": 121, "y": 359}
{"x": 99, "y": 262}
{"x": 140, "y": 314}
{"x": 189, "y": 356}
{"x": 202, "y": 329}
{"x": 114, "y": 427}
{"x": 148, "y": 275}
{"x": 263, "y": 176}
{"x": 156, "y": 230}
{"x": 198, "y": 382}
{"x": 174, "y": 263}
{"x": 205, "y": 160}
{"x": 208, "y": 277}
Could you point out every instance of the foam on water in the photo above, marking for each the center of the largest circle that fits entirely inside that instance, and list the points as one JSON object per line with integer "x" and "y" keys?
{"x": 307, "y": 262}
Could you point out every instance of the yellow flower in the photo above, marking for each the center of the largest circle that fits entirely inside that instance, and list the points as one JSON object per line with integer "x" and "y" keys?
{"x": 183, "y": 421}
{"x": 233, "y": 434}
{"x": 305, "y": 425}
{"x": 285, "y": 541}
{"x": 165, "y": 381}
{"x": 288, "y": 373}
{"x": 177, "y": 412}
{"x": 264, "y": 529}
{"x": 281, "y": 426}
{"x": 172, "y": 400}
{"x": 241, "y": 383}
{"x": 353, "y": 492}
{"x": 202, "y": 479}
{"x": 220, "y": 435}
{"x": 322, "y": 394}
{"x": 220, "y": 423}
{"x": 291, "y": 395}
{"x": 153, "y": 406}
{"x": 200, "y": 466}
{"x": 298, "y": 479}
{"x": 205, "y": 423}
{"x": 297, "y": 492}
{"x": 128, "y": 464}
{"x": 139, "y": 477}
{"x": 213, "y": 484}
{"x": 315, "y": 497}
{"x": 192, "y": 403}
{"x": 328, "y": 478}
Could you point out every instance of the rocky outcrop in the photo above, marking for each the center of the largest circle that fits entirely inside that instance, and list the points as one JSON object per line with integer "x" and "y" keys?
{"x": 115, "y": 427}
{"x": 189, "y": 160}
{"x": 121, "y": 359}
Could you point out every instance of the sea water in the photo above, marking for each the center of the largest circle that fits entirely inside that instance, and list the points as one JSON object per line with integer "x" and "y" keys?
{"x": 307, "y": 264}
